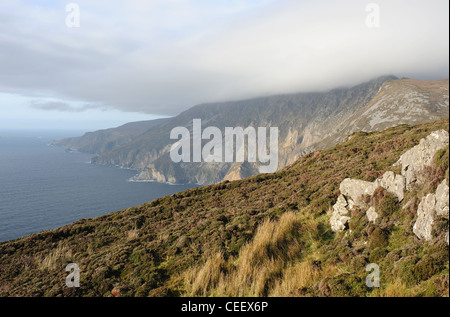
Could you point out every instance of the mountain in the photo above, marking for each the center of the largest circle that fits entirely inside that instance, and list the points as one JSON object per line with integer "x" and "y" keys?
{"x": 103, "y": 141}
{"x": 403, "y": 101}
{"x": 268, "y": 235}
{"x": 306, "y": 122}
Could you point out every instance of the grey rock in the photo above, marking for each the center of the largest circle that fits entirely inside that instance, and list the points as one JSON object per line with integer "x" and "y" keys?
{"x": 394, "y": 184}
{"x": 425, "y": 217}
{"x": 356, "y": 189}
{"x": 442, "y": 200}
{"x": 415, "y": 160}
{"x": 432, "y": 206}
{"x": 372, "y": 215}
{"x": 340, "y": 216}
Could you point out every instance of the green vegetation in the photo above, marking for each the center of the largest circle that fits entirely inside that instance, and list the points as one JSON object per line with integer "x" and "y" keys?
{"x": 267, "y": 235}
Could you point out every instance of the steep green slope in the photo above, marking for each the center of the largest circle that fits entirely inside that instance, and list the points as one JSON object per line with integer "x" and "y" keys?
{"x": 271, "y": 229}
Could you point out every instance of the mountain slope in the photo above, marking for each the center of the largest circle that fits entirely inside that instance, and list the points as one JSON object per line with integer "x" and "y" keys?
{"x": 272, "y": 229}
{"x": 298, "y": 117}
{"x": 403, "y": 101}
{"x": 103, "y": 141}
{"x": 306, "y": 122}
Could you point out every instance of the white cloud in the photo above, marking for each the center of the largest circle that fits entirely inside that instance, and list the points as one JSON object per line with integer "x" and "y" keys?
{"x": 163, "y": 56}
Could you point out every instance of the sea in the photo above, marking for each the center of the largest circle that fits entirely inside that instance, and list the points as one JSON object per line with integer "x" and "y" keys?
{"x": 43, "y": 187}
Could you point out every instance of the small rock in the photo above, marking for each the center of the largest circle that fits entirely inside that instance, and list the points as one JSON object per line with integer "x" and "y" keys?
{"x": 115, "y": 292}
{"x": 182, "y": 242}
{"x": 372, "y": 215}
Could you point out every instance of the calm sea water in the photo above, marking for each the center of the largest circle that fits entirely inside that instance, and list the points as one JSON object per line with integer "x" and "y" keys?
{"x": 43, "y": 187}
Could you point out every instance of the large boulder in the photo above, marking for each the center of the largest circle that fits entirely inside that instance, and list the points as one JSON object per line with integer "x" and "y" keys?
{"x": 414, "y": 160}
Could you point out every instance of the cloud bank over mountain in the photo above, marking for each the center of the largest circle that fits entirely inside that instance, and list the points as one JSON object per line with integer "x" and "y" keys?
{"x": 162, "y": 57}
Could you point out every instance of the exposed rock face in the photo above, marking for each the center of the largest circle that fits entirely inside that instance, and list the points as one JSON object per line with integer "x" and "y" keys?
{"x": 403, "y": 101}
{"x": 442, "y": 200}
{"x": 430, "y": 208}
{"x": 340, "y": 216}
{"x": 356, "y": 189}
{"x": 353, "y": 191}
{"x": 394, "y": 184}
{"x": 414, "y": 160}
{"x": 240, "y": 170}
{"x": 426, "y": 213}
{"x": 154, "y": 175}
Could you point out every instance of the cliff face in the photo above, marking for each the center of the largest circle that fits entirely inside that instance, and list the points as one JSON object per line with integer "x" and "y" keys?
{"x": 306, "y": 122}
{"x": 267, "y": 235}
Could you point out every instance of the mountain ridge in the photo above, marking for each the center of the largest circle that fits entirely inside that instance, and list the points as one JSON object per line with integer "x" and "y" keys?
{"x": 307, "y": 122}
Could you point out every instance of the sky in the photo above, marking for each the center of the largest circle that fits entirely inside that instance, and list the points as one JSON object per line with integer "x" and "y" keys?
{"x": 96, "y": 64}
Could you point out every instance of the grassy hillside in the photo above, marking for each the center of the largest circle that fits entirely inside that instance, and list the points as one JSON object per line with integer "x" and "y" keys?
{"x": 268, "y": 235}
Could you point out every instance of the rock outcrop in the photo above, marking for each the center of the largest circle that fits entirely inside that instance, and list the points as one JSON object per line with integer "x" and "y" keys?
{"x": 356, "y": 189}
{"x": 341, "y": 214}
{"x": 353, "y": 192}
{"x": 430, "y": 208}
{"x": 394, "y": 184}
{"x": 425, "y": 218}
{"x": 413, "y": 162}
{"x": 442, "y": 200}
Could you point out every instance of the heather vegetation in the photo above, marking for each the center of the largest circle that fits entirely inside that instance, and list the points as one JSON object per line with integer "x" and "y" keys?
{"x": 268, "y": 235}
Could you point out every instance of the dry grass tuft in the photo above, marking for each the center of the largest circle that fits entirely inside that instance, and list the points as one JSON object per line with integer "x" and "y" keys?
{"x": 258, "y": 265}
{"x": 55, "y": 258}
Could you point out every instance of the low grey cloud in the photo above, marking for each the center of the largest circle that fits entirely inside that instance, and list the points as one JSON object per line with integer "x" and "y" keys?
{"x": 164, "y": 56}
{"x": 63, "y": 107}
